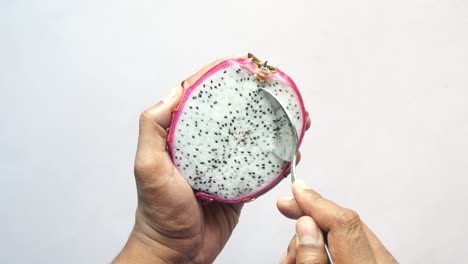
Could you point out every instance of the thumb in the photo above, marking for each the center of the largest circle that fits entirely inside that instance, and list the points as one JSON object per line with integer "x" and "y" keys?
{"x": 310, "y": 247}
{"x": 152, "y": 157}
{"x": 157, "y": 118}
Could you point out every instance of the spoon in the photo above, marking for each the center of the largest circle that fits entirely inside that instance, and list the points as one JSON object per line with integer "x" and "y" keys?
{"x": 287, "y": 138}
{"x": 287, "y": 141}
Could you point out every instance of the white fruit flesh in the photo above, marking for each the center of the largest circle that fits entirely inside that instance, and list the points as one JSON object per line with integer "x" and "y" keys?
{"x": 224, "y": 138}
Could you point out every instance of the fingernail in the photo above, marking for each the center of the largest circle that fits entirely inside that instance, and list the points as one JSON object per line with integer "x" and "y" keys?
{"x": 283, "y": 258}
{"x": 307, "y": 233}
{"x": 171, "y": 95}
{"x": 301, "y": 184}
{"x": 285, "y": 198}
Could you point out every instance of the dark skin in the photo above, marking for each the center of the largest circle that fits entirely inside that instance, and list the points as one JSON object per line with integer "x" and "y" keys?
{"x": 349, "y": 239}
{"x": 173, "y": 226}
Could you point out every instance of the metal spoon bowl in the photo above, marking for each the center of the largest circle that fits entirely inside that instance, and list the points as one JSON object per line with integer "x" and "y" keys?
{"x": 286, "y": 147}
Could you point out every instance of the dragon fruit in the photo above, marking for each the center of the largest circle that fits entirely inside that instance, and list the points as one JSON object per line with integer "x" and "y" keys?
{"x": 223, "y": 134}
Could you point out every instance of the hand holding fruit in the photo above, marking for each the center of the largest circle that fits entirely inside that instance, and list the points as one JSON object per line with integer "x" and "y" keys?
{"x": 171, "y": 225}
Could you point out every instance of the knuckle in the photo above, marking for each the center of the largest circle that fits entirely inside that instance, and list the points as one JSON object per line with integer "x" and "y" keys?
{"x": 152, "y": 163}
{"x": 350, "y": 219}
{"x": 144, "y": 117}
{"x": 149, "y": 118}
{"x": 309, "y": 261}
{"x": 312, "y": 197}
{"x": 143, "y": 166}
{"x": 311, "y": 254}
{"x": 348, "y": 231}
{"x": 151, "y": 174}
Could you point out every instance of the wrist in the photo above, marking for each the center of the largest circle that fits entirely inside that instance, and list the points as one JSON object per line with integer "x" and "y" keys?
{"x": 141, "y": 249}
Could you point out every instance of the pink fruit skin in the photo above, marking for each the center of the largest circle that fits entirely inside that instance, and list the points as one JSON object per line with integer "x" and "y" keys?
{"x": 245, "y": 63}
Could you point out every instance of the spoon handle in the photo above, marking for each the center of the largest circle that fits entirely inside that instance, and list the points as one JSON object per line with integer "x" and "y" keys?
{"x": 329, "y": 259}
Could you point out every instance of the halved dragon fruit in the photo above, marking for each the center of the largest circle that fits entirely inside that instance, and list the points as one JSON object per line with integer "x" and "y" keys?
{"x": 225, "y": 130}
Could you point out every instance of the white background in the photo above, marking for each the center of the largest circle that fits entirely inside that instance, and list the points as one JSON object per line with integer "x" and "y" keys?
{"x": 385, "y": 82}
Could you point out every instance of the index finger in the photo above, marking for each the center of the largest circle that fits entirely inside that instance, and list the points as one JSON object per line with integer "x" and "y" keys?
{"x": 326, "y": 213}
{"x": 346, "y": 235}
{"x": 289, "y": 208}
